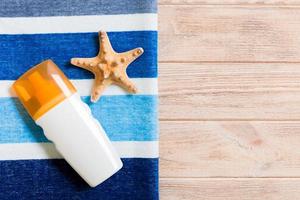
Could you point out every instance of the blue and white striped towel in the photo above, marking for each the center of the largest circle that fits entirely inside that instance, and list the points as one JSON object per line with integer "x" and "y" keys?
{"x": 34, "y": 30}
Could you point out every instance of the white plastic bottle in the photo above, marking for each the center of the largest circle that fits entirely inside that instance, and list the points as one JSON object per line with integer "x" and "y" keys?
{"x": 54, "y": 104}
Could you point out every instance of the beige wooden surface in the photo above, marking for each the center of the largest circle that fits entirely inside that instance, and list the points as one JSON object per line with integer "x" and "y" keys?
{"x": 229, "y": 99}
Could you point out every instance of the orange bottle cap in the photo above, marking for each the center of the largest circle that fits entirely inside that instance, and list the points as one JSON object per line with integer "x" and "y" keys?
{"x": 43, "y": 87}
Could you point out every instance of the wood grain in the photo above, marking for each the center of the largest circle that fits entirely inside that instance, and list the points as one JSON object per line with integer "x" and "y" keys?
{"x": 230, "y": 189}
{"x": 229, "y": 91}
{"x": 194, "y": 33}
{"x": 229, "y": 149}
{"x": 229, "y": 2}
{"x": 229, "y": 99}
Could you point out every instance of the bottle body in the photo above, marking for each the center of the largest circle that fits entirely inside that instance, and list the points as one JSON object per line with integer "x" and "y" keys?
{"x": 81, "y": 140}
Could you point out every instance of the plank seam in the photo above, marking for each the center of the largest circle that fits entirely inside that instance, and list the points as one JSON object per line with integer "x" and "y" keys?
{"x": 230, "y": 5}
{"x": 228, "y": 62}
{"x": 229, "y": 178}
{"x": 226, "y": 120}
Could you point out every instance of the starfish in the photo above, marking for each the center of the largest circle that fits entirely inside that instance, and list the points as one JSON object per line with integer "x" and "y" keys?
{"x": 108, "y": 67}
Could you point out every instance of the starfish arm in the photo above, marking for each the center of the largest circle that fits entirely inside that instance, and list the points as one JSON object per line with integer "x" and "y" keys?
{"x": 85, "y": 63}
{"x": 105, "y": 46}
{"x": 125, "y": 82}
{"x": 128, "y": 57}
{"x": 98, "y": 88}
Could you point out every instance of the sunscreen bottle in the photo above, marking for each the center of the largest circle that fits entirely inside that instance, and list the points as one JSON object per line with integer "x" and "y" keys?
{"x": 54, "y": 104}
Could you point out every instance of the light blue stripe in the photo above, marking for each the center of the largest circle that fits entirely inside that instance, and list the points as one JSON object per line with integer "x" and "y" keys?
{"x": 124, "y": 118}
{"x": 18, "y": 53}
{"x": 36, "y": 8}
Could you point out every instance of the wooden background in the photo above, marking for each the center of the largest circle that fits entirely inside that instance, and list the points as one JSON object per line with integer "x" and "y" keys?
{"x": 229, "y": 99}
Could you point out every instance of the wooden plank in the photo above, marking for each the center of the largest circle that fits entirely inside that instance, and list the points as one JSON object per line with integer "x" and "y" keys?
{"x": 229, "y": 91}
{"x": 229, "y": 2}
{"x": 229, "y": 149}
{"x": 232, "y": 34}
{"x": 229, "y": 189}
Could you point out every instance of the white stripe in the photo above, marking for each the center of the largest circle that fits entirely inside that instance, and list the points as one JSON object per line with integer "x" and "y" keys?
{"x": 146, "y": 86}
{"x": 78, "y": 24}
{"x": 28, "y": 151}
{"x": 134, "y": 149}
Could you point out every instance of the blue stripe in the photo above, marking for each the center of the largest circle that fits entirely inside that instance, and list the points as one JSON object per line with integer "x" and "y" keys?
{"x": 55, "y": 179}
{"x": 18, "y": 53}
{"x": 34, "y": 8}
{"x": 124, "y": 118}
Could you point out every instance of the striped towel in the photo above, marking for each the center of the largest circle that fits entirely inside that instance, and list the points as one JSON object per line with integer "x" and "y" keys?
{"x": 34, "y": 30}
